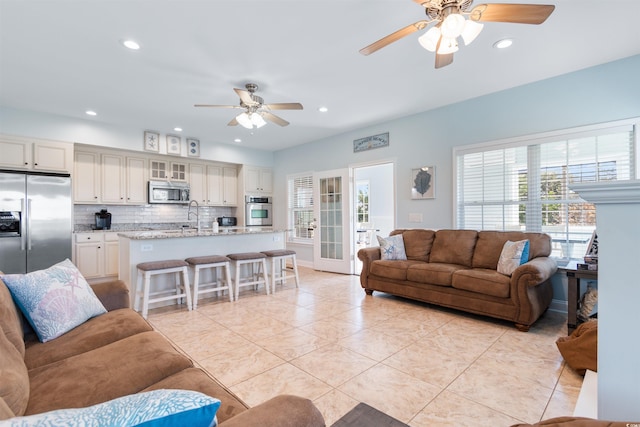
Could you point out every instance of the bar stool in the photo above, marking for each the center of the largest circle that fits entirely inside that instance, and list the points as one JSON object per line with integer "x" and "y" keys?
{"x": 214, "y": 262}
{"x": 279, "y": 259}
{"x": 252, "y": 260}
{"x": 148, "y": 269}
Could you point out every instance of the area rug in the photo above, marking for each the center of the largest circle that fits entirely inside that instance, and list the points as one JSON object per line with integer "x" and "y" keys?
{"x": 364, "y": 415}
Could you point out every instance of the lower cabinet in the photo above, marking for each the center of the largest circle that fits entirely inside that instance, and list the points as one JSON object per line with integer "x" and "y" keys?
{"x": 96, "y": 254}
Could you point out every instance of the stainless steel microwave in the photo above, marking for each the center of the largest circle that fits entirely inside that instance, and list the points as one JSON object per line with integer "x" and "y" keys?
{"x": 168, "y": 192}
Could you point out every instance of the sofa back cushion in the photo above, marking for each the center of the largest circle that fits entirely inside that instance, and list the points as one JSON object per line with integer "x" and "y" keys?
{"x": 14, "y": 377}
{"x": 417, "y": 243}
{"x": 10, "y": 319}
{"x": 454, "y": 247}
{"x": 490, "y": 244}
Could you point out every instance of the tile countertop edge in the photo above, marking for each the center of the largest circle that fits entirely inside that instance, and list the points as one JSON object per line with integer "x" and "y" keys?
{"x": 178, "y": 234}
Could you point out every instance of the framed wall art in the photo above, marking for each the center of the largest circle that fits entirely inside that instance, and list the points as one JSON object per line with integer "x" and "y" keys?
{"x": 151, "y": 141}
{"x": 174, "y": 144}
{"x": 193, "y": 147}
{"x": 423, "y": 184}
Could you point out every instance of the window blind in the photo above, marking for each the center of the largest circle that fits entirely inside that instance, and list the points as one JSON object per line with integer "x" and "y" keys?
{"x": 300, "y": 206}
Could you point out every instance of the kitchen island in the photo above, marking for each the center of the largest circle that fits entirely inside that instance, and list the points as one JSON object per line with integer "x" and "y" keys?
{"x": 144, "y": 246}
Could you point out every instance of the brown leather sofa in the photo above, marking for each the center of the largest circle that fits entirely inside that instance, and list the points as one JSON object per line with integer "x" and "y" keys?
{"x": 110, "y": 356}
{"x": 458, "y": 269}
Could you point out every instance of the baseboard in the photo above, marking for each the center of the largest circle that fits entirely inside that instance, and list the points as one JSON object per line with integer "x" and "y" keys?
{"x": 303, "y": 263}
{"x": 559, "y": 306}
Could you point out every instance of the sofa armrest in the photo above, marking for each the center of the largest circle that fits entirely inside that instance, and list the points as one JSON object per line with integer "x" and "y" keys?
{"x": 535, "y": 271}
{"x": 280, "y": 411}
{"x": 367, "y": 256}
{"x": 113, "y": 295}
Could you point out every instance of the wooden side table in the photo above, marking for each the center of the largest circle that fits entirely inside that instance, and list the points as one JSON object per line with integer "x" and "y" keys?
{"x": 573, "y": 292}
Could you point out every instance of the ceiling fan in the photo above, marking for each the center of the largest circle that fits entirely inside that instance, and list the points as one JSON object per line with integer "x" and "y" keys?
{"x": 449, "y": 16}
{"x": 255, "y": 110}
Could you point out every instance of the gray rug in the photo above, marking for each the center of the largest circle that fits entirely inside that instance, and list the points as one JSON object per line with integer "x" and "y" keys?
{"x": 364, "y": 415}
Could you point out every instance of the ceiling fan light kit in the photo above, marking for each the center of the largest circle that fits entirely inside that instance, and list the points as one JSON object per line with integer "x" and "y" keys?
{"x": 450, "y": 23}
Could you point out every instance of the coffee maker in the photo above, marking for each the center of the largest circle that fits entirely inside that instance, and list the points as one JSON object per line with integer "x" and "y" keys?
{"x": 103, "y": 220}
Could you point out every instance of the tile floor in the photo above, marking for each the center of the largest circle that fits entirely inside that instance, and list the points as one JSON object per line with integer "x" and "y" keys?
{"x": 421, "y": 364}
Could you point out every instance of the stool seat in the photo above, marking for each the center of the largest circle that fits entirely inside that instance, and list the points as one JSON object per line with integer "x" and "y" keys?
{"x": 279, "y": 268}
{"x": 243, "y": 256}
{"x": 161, "y": 265}
{"x": 210, "y": 259}
{"x": 279, "y": 252}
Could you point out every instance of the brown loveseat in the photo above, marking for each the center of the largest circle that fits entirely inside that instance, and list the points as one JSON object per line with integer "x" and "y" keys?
{"x": 110, "y": 356}
{"x": 458, "y": 269}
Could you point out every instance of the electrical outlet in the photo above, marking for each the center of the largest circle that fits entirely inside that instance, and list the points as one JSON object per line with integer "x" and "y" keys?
{"x": 148, "y": 247}
{"x": 415, "y": 217}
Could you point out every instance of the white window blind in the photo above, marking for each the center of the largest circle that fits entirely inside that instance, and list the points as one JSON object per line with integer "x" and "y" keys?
{"x": 525, "y": 185}
{"x": 300, "y": 206}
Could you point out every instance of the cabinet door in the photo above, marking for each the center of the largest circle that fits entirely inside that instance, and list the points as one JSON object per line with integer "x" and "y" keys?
{"x": 111, "y": 254}
{"x": 136, "y": 178}
{"x": 90, "y": 259}
{"x": 52, "y": 156}
{"x": 112, "y": 179}
{"x": 266, "y": 181}
{"x": 214, "y": 185}
{"x": 230, "y": 186}
{"x": 15, "y": 154}
{"x": 158, "y": 169}
{"x": 86, "y": 178}
{"x": 197, "y": 183}
{"x": 252, "y": 179}
{"x": 178, "y": 171}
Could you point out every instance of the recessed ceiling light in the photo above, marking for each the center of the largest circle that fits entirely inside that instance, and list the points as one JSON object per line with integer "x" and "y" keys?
{"x": 323, "y": 109}
{"x": 130, "y": 44}
{"x": 177, "y": 129}
{"x": 502, "y": 44}
{"x": 91, "y": 113}
{"x": 237, "y": 140}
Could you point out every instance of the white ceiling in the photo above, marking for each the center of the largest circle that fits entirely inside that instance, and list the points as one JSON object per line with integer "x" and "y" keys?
{"x": 64, "y": 57}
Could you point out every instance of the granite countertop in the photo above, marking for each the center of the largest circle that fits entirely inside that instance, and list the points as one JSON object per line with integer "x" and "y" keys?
{"x": 192, "y": 232}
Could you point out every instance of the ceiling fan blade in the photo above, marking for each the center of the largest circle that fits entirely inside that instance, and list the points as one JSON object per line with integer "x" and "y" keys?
{"x": 273, "y": 118}
{"x": 514, "y": 13}
{"x": 283, "y": 106}
{"x": 412, "y": 28}
{"x": 233, "y": 122}
{"x": 442, "y": 60}
{"x": 245, "y": 96}
{"x": 422, "y": 3}
{"x": 217, "y": 106}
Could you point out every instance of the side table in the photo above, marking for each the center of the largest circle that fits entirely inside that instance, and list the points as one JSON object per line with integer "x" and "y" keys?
{"x": 573, "y": 292}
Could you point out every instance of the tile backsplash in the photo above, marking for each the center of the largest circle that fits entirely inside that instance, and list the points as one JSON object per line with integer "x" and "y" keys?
{"x": 84, "y": 215}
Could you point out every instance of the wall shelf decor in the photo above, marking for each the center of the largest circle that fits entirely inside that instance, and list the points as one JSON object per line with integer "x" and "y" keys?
{"x": 423, "y": 184}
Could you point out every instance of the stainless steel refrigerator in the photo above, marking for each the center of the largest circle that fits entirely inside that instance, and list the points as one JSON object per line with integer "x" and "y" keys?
{"x": 35, "y": 220}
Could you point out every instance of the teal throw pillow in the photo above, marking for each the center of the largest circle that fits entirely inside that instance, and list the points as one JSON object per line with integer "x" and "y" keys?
{"x": 513, "y": 255}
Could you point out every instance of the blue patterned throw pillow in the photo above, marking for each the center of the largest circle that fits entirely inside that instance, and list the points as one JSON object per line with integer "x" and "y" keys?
{"x": 157, "y": 408}
{"x": 513, "y": 255}
{"x": 392, "y": 247}
{"x": 54, "y": 300}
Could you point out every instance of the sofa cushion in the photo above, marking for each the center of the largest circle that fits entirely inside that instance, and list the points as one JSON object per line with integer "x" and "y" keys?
{"x": 97, "y": 332}
{"x": 454, "y": 247}
{"x": 392, "y": 248}
{"x": 14, "y": 378}
{"x": 490, "y": 244}
{"x": 117, "y": 369}
{"x": 482, "y": 281}
{"x": 10, "y": 320}
{"x": 54, "y": 300}
{"x": 418, "y": 243}
{"x": 198, "y": 380}
{"x": 395, "y": 270}
{"x": 433, "y": 273}
{"x": 161, "y": 408}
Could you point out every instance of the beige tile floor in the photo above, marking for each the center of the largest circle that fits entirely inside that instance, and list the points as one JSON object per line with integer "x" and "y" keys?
{"x": 421, "y": 364}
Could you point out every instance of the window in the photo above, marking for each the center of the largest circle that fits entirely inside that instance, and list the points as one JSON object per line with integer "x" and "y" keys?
{"x": 300, "y": 206}
{"x": 362, "y": 206}
{"x": 525, "y": 185}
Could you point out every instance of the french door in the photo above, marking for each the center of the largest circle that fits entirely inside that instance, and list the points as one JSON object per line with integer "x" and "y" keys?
{"x": 332, "y": 248}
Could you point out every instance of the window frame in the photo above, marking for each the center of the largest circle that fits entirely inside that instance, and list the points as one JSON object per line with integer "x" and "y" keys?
{"x": 292, "y": 237}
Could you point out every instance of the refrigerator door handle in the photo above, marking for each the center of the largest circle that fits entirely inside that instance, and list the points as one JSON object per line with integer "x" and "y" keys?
{"x": 23, "y": 225}
{"x": 29, "y": 224}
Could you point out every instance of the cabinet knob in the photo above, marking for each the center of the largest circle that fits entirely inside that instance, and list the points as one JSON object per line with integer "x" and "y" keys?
{"x": 95, "y": 197}
{"x": 35, "y": 164}
{"x": 26, "y": 163}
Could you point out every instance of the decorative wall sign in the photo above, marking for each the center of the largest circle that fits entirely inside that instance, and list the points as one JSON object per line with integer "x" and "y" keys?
{"x": 174, "y": 144}
{"x": 371, "y": 142}
{"x": 423, "y": 185}
{"x": 193, "y": 147}
{"x": 151, "y": 141}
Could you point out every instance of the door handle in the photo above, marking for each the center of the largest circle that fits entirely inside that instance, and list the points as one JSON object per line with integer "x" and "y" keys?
{"x": 29, "y": 224}
{"x": 23, "y": 224}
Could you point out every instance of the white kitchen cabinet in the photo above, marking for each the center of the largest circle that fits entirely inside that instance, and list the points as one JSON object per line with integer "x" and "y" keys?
{"x": 178, "y": 171}
{"x": 213, "y": 185}
{"x": 258, "y": 180}
{"x": 158, "y": 169}
{"x": 52, "y": 156}
{"x": 198, "y": 183}
{"x": 112, "y": 177}
{"x": 230, "y": 186}
{"x": 86, "y": 178}
{"x": 136, "y": 180}
{"x": 96, "y": 254}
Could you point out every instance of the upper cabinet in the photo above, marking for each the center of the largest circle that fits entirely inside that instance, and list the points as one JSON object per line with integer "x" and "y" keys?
{"x": 213, "y": 185}
{"x": 258, "y": 179}
{"x": 41, "y": 155}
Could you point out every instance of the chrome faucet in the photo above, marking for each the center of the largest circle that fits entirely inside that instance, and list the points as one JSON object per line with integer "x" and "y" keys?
{"x": 196, "y": 213}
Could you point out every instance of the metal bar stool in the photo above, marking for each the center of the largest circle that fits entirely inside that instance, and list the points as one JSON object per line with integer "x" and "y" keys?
{"x": 148, "y": 269}
{"x": 252, "y": 260}
{"x": 219, "y": 284}
{"x": 279, "y": 268}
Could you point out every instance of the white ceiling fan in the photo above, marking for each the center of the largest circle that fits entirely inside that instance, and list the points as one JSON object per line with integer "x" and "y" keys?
{"x": 255, "y": 110}
{"x": 450, "y": 23}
